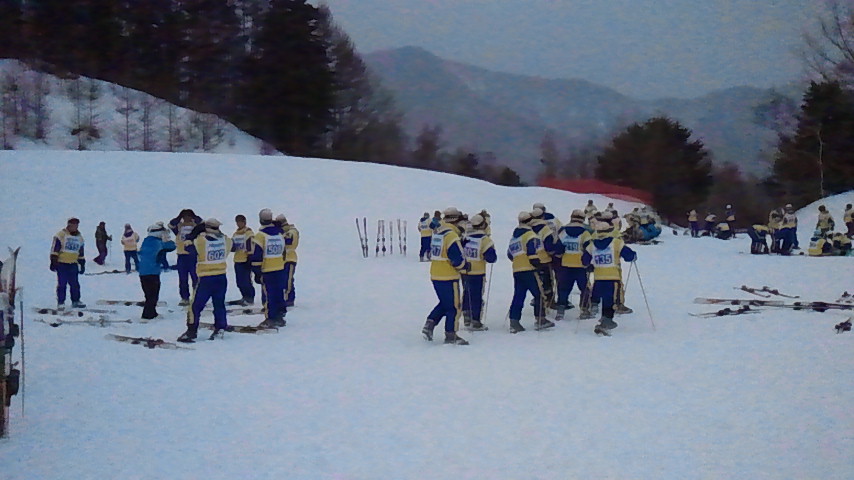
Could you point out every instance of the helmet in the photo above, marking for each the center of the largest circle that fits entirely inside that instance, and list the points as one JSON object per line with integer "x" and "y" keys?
{"x": 265, "y": 216}
{"x": 540, "y": 206}
{"x": 577, "y": 215}
{"x": 524, "y": 217}
{"x": 538, "y": 212}
{"x": 212, "y": 224}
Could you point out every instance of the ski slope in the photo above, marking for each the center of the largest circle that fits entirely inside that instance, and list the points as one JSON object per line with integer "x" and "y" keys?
{"x": 350, "y": 390}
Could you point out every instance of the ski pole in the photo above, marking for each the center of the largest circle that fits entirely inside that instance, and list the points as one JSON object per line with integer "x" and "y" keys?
{"x": 23, "y": 357}
{"x": 648, "y": 311}
{"x": 361, "y": 241}
{"x": 486, "y": 301}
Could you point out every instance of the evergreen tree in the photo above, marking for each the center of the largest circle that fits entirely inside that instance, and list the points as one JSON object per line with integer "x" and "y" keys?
{"x": 428, "y": 143}
{"x": 365, "y": 123}
{"x": 658, "y": 157}
{"x": 288, "y": 89}
{"x": 11, "y": 18}
{"x": 818, "y": 159}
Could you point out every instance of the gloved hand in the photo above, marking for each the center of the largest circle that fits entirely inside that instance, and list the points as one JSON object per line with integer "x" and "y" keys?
{"x": 53, "y": 262}
{"x": 256, "y": 271}
{"x": 82, "y": 264}
{"x": 466, "y": 267}
{"x": 590, "y": 268}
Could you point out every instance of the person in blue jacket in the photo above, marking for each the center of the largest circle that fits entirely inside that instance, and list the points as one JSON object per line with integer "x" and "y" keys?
{"x": 151, "y": 253}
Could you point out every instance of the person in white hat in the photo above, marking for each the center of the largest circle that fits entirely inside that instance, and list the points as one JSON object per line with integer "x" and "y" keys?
{"x": 572, "y": 240}
{"x": 268, "y": 265}
{"x": 151, "y": 253}
{"x": 241, "y": 245}
{"x": 68, "y": 261}
{"x": 211, "y": 250}
{"x": 604, "y": 254}
{"x": 525, "y": 251}
{"x": 446, "y": 264}
{"x": 479, "y": 250}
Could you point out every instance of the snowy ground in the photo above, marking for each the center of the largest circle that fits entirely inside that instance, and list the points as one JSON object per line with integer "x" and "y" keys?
{"x": 350, "y": 390}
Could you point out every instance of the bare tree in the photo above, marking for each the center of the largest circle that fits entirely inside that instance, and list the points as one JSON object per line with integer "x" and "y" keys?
{"x": 829, "y": 51}
{"x": 126, "y": 106}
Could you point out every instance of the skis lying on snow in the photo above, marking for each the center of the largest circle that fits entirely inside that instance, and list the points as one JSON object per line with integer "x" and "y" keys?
{"x": 845, "y": 298}
{"x": 127, "y": 303}
{"x": 147, "y": 342}
{"x": 105, "y": 272}
{"x": 100, "y": 321}
{"x": 743, "y": 310}
{"x": 817, "y": 306}
{"x": 75, "y": 312}
{"x": 765, "y": 289}
{"x": 241, "y": 328}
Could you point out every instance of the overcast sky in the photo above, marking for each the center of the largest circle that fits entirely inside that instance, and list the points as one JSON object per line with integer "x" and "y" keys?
{"x": 643, "y": 48}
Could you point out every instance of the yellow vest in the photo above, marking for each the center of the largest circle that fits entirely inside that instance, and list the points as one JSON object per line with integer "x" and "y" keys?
{"x": 606, "y": 261}
{"x": 129, "y": 244}
{"x": 518, "y": 249}
{"x": 211, "y": 253}
{"x": 273, "y": 251}
{"x": 441, "y": 241}
{"x": 475, "y": 247}
{"x": 292, "y": 234}
{"x": 71, "y": 246}
{"x": 184, "y": 229}
{"x": 571, "y": 257}
{"x": 242, "y": 242}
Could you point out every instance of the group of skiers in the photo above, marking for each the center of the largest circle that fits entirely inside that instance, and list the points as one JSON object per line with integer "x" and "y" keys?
{"x": 269, "y": 255}
{"x": 548, "y": 260}
{"x": 723, "y": 230}
{"x": 782, "y": 229}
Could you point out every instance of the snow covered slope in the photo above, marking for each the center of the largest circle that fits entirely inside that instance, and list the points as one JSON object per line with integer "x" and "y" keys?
{"x": 350, "y": 390}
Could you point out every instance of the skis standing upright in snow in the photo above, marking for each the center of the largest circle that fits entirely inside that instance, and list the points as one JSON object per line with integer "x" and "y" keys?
{"x": 9, "y": 376}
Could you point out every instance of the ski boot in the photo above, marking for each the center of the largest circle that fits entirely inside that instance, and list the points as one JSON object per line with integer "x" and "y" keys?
{"x": 476, "y": 326}
{"x": 451, "y": 338}
{"x": 543, "y": 323}
{"x": 184, "y": 302}
{"x": 189, "y": 336}
{"x": 247, "y": 301}
{"x": 427, "y": 331}
{"x": 594, "y": 309}
{"x": 78, "y": 304}
{"x": 598, "y": 330}
{"x": 267, "y": 323}
{"x": 467, "y": 319}
{"x": 60, "y": 307}
{"x": 515, "y": 326}
{"x": 561, "y": 309}
{"x": 217, "y": 333}
{"x": 622, "y": 309}
{"x": 607, "y": 323}
{"x": 585, "y": 314}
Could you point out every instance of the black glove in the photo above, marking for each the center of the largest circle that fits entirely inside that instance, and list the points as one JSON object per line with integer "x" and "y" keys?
{"x": 590, "y": 268}
{"x": 257, "y": 273}
{"x": 82, "y": 264}
{"x": 53, "y": 262}
{"x": 465, "y": 267}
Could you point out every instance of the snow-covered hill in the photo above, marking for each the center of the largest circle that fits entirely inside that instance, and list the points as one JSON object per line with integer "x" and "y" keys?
{"x": 120, "y": 118}
{"x": 350, "y": 390}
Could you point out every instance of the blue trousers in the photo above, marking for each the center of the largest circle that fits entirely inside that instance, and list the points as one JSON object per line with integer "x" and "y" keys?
{"x": 425, "y": 247}
{"x": 568, "y": 277}
{"x": 473, "y": 295}
{"x": 448, "y": 292}
{"x": 186, "y": 271}
{"x": 273, "y": 294}
{"x": 606, "y": 291}
{"x": 131, "y": 255}
{"x": 212, "y": 288}
{"x": 695, "y": 229}
{"x": 524, "y": 282}
{"x": 243, "y": 275}
{"x": 66, "y": 275}
{"x": 290, "y": 287}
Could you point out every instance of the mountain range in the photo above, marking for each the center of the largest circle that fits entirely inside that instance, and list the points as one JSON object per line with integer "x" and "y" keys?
{"x": 509, "y": 114}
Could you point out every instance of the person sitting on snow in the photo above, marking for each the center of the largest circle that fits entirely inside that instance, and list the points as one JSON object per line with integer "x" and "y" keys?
{"x": 757, "y": 234}
{"x": 819, "y": 246}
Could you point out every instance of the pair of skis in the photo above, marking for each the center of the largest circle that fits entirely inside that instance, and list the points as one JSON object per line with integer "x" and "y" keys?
{"x": 363, "y": 235}
{"x": 817, "y": 306}
{"x": 761, "y": 292}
